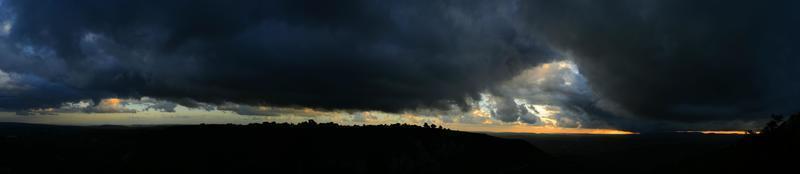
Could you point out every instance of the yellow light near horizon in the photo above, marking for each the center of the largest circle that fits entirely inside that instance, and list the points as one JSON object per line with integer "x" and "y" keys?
{"x": 556, "y": 130}
{"x": 534, "y": 129}
{"x": 718, "y": 132}
{"x": 112, "y": 101}
{"x": 480, "y": 113}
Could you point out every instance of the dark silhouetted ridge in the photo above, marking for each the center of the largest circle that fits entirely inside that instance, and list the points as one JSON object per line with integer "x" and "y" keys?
{"x": 776, "y": 149}
{"x": 307, "y": 147}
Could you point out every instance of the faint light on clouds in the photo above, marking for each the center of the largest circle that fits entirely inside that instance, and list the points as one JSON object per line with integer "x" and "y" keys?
{"x": 5, "y": 28}
{"x": 537, "y": 93}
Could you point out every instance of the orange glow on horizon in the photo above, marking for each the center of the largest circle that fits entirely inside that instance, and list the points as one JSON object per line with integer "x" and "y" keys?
{"x": 718, "y": 132}
{"x": 112, "y": 101}
{"x": 535, "y": 129}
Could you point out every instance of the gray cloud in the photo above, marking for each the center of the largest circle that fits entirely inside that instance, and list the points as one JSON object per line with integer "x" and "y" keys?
{"x": 389, "y": 56}
{"x": 685, "y": 61}
{"x": 556, "y": 85}
{"x": 643, "y": 63}
{"x": 85, "y": 106}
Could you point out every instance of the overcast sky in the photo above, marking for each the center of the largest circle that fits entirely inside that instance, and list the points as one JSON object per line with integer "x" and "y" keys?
{"x": 638, "y": 65}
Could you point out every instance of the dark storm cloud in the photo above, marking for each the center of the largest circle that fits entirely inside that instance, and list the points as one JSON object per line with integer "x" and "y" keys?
{"x": 26, "y": 91}
{"x": 680, "y": 60}
{"x": 645, "y": 62}
{"x": 380, "y": 55}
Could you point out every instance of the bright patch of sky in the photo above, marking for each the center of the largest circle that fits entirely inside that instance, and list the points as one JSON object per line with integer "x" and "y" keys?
{"x": 5, "y": 28}
{"x": 6, "y": 20}
{"x": 8, "y": 82}
{"x": 5, "y": 79}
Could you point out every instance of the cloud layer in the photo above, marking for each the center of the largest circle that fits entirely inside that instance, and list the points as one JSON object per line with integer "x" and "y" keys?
{"x": 370, "y": 55}
{"x": 681, "y": 60}
{"x": 641, "y": 63}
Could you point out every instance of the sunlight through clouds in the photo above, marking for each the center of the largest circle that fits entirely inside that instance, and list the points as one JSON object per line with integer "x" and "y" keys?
{"x": 5, "y": 28}
{"x": 552, "y": 95}
{"x": 540, "y": 99}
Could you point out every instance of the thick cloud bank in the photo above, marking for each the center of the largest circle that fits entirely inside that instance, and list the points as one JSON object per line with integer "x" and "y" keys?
{"x": 377, "y": 55}
{"x": 681, "y": 60}
{"x": 691, "y": 62}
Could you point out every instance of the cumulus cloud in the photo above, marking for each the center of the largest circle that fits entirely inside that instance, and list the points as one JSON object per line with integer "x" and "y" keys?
{"x": 160, "y": 105}
{"x": 551, "y": 94}
{"x": 110, "y": 105}
{"x": 6, "y": 83}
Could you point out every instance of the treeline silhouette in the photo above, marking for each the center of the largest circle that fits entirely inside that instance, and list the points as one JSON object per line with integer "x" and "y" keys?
{"x": 269, "y": 147}
{"x": 313, "y": 124}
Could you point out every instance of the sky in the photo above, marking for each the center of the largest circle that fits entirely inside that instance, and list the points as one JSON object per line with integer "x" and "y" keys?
{"x": 520, "y": 66}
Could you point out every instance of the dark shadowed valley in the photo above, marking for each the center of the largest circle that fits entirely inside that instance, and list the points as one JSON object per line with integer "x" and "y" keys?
{"x": 640, "y": 153}
{"x": 309, "y": 147}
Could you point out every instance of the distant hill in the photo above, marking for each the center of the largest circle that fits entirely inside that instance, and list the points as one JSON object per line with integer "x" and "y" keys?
{"x": 775, "y": 150}
{"x": 263, "y": 148}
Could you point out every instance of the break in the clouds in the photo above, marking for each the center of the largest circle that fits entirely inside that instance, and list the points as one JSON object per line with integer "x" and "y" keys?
{"x": 688, "y": 61}
{"x": 553, "y": 93}
{"x": 626, "y": 64}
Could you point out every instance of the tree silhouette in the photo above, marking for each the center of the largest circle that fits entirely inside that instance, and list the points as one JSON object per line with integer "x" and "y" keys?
{"x": 773, "y": 124}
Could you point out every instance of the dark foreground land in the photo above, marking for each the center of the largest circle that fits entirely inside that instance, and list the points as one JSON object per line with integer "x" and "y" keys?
{"x": 775, "y": 150}
{"x": 261, "y": 148}
{"x": 642, "y": 153}
{"x": 329, "y": 148}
